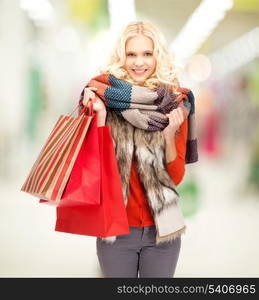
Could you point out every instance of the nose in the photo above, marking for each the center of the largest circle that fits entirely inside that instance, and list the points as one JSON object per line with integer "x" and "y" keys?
{"x": 139, "y": 61}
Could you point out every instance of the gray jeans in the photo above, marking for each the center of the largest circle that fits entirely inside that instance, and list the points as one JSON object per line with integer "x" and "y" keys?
{"x": 137, "y": 255}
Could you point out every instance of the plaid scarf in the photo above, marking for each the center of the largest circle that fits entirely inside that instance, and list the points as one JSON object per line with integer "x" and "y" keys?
{"x": 145, "y": 108}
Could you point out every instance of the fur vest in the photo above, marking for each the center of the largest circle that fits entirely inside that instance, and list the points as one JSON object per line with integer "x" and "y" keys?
{"x": 149, "y": 150}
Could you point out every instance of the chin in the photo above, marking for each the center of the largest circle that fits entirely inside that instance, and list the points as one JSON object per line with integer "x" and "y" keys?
{"x": 139, "y": 80}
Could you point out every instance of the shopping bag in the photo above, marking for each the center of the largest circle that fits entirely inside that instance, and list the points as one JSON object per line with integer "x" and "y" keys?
{"x": 50, "y": 172}
{"x": 83, "y": 186}
{"x": 110, "y": 217}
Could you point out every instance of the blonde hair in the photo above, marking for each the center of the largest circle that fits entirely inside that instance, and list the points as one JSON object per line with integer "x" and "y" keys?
{"x": 165, "y": 71}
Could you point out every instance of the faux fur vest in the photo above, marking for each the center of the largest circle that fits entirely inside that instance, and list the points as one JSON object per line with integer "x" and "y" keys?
{"x": 149, "y": 150}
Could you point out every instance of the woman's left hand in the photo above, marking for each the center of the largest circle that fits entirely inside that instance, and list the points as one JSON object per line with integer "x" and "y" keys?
{"x": 176, "y": 118}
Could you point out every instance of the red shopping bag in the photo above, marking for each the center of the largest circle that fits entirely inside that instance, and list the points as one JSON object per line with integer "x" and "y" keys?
{"x": 110, "y": 217}
{"x": 83, "y": 186}
{"x": 50, "y": 172}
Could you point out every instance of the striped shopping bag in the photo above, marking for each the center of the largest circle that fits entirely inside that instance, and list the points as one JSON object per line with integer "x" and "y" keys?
{"x": 51, "y": 170}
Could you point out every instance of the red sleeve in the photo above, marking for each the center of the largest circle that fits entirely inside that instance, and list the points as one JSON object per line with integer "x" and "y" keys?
{"x": 176, "y": 168}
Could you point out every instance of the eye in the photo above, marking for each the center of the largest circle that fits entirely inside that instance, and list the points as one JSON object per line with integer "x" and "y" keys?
{"x": 148, "y": 53}
{"x": 130, "y": 54}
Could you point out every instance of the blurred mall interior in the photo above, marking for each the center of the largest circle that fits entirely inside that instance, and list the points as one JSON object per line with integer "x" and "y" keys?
{"x": 48, "y": 51}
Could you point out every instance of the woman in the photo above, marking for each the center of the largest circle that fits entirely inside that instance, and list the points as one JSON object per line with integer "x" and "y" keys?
{"x": 149, "y": 115}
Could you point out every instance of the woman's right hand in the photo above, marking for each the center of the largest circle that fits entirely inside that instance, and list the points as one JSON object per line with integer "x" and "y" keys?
{"x": 98, "y": 105}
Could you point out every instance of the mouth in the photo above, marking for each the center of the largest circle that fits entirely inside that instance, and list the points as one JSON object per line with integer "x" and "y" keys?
{"x": 139, "y": 71}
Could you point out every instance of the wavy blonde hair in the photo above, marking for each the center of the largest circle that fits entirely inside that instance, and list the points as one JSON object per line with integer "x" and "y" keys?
{"x": 165, "y": 71}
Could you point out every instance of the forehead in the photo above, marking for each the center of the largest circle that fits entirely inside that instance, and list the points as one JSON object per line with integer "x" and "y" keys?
{"x": 139, "y": 43}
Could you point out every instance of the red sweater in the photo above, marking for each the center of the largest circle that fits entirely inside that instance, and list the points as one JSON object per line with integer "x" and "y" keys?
{"x": 138, "y": 211}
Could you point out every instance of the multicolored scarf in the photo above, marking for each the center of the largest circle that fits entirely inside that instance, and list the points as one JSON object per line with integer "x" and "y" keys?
{"x": 145, "y": 108}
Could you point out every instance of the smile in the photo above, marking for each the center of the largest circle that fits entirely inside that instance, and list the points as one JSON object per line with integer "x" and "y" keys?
{"x": 139, "y": 72}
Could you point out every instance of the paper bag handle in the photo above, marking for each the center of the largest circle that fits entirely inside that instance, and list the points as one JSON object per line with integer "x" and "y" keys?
{"x": 88, "y": 110}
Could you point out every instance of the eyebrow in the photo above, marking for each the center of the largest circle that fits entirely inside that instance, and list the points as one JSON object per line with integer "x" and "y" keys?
{"x": 143, "y": 51}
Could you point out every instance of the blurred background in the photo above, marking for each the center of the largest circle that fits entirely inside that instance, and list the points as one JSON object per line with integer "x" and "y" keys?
{"x": 48, "y": 51}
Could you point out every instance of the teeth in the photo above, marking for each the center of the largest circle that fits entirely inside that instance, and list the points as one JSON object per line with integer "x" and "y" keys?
{"x": 139, "y": 71}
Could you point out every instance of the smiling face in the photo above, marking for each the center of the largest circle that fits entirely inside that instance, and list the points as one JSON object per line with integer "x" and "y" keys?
{"x": 140, "y": 61}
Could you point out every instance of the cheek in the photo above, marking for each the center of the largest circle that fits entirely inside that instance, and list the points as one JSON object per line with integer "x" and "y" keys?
{"x": 153, "y": 64}
{"x": 128, "y": 64}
